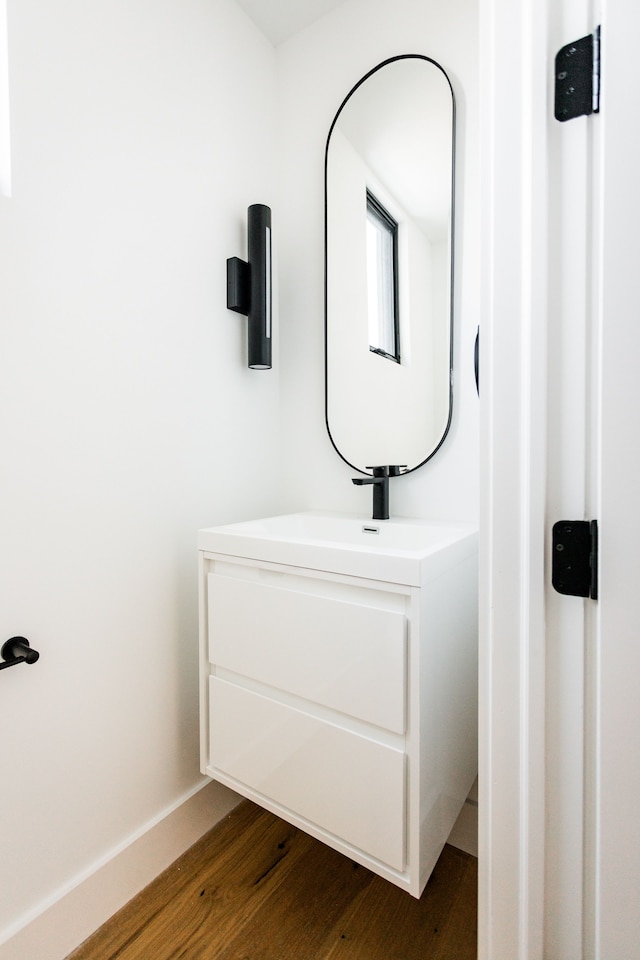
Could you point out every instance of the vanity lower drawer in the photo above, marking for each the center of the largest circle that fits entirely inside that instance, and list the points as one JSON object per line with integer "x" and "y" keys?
{"x": 343, "y": 782}
{"x": 346, "y": 655}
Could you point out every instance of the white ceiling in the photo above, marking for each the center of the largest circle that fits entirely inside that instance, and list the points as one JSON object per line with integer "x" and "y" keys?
{"x": 279, "y": 19}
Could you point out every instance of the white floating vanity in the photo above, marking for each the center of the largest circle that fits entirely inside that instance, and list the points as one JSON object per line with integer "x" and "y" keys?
{"x": 339, "y": 679}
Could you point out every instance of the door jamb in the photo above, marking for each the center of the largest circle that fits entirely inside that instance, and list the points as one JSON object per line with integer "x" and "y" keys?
{"x": 514, "y": 103}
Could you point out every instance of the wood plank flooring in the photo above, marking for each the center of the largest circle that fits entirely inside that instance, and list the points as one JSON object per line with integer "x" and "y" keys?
{"x": 255, "y": 888}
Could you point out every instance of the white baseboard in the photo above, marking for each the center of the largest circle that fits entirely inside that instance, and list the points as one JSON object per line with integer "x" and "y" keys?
{"x": 464, "y": 835}
{"x": 64, "y": 924}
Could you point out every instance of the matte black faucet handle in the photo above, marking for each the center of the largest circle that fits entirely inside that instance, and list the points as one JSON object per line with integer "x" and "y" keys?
{"x": 379, "y": 471}
{"x": 393, "y": 470}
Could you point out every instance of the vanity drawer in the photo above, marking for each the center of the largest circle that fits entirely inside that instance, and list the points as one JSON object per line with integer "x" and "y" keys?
{"x": 345, "y": 655}
{"x": 342, "y": 782}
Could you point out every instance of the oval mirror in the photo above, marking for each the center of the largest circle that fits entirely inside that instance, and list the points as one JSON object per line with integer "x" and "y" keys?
{"x": 388, "y": 266}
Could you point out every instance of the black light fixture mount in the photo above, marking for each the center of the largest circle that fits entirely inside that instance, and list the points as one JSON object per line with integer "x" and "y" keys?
{"x": 249, "y": 286}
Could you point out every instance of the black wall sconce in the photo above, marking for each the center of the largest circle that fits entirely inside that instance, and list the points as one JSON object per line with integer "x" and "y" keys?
{"x": 249, "y": 286}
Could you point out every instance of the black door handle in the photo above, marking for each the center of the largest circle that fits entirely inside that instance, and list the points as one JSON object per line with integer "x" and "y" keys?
{"x": 17, "y": 650}
{"x": 476, "y": 361}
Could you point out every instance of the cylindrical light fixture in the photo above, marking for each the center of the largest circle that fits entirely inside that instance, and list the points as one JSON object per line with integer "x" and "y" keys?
{"x": 259, "y": 324}
{"x": 249, "y": 286}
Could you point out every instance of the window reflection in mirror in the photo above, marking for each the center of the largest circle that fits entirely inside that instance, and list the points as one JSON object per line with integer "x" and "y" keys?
{"x": 382, "y": 280}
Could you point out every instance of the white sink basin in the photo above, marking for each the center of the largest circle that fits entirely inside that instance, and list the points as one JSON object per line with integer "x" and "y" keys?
{"x": 399, "y": 551}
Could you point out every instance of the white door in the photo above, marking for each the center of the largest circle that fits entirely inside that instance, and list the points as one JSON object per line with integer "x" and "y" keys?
{"x": 613, "y": 853}
{"x": 559, "y": 846}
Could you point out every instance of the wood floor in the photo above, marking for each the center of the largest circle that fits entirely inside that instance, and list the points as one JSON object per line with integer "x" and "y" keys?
{"x": 255, "y": 888}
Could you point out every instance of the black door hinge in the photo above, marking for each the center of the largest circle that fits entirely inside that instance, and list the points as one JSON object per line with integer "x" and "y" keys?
{"x": 578, "y": 78}
{"x": 574, "y": 567}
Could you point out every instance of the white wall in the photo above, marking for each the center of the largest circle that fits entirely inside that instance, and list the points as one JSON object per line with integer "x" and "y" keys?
{"x": 317, "y": 68}
{"x": 141, "y": 131}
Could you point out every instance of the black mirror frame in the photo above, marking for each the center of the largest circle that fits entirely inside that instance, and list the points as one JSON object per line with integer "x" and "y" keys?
{"x": 384, "y": 63}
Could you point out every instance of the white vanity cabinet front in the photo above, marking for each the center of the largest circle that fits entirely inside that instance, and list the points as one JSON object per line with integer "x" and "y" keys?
{"x": 322, "y": 699}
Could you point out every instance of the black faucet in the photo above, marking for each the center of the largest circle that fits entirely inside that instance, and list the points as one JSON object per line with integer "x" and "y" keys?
{"x": 380, "y": 481}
